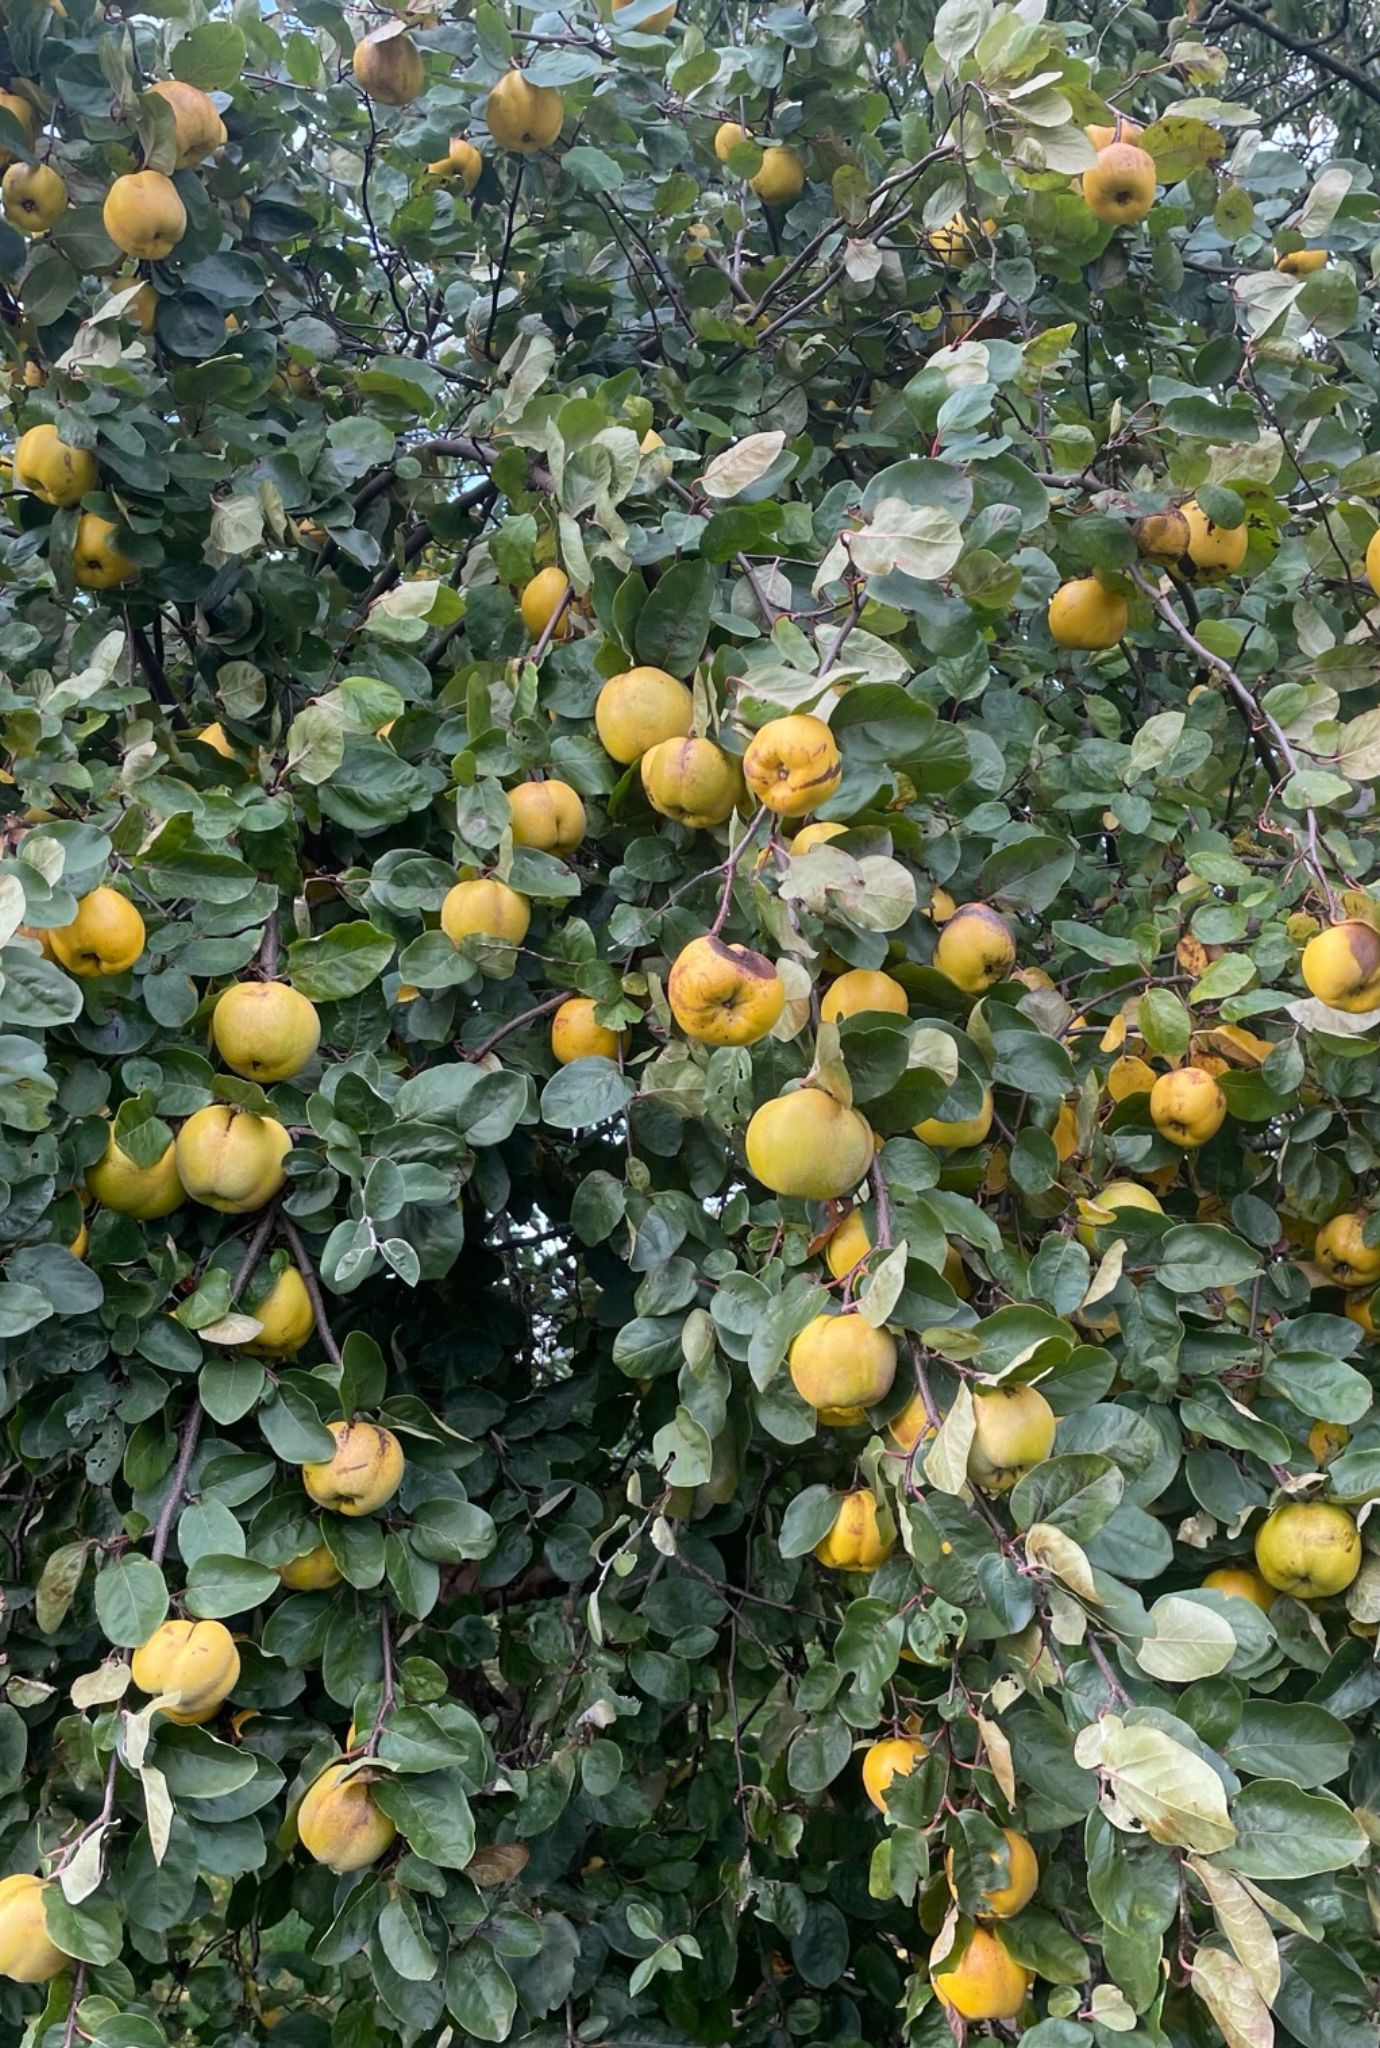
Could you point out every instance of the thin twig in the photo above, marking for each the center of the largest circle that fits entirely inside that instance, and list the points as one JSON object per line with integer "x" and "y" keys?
{"x": 313, "y": 1287}
{"x": 515, "y": 1024}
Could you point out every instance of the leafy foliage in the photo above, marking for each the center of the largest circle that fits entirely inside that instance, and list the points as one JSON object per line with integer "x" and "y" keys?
{"x": 604, "y": 1620}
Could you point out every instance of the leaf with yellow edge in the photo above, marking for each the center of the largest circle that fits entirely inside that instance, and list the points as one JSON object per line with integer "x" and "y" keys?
{"x": 1229, "y": 1995}
{"x": 1244, "y": 1925}
{"x": 1057, "y": 1552}
{"x": 1173, "y": 1794}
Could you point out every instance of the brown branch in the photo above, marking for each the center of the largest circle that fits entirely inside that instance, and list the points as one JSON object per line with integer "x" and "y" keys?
{"x": 191, "y": 1432}
{"x": 1299, "y": 46}
{"x": 515, "y": 1024}
{"x": 313, "y": 1287}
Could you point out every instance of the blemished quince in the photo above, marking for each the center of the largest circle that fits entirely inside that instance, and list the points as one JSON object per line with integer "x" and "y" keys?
{"x": 28, "y": 1953}
{"x": 809, "y": 1144}
{"x": 651, "y": 24}
{"x": 985, "y": 1983}
{"x": 97, "y": 563}
{"x": 960, "y": 1133}
{"x": 486, "y": 907}
{"x": 198, "y": 128}
{"x": 523, "y": 117}
{"x": 855, "y": 1542}
{"x": 315, "y": 1571}
{"x": 26, "y": 114}
{"x": 954, "y": 242}
{"x": 1214, "y": 550}
{"x": 781, "y": 179}
{"x": 975, "y": 949}
{"x": 462, "y": 164}
{"x": 1120, "y": 186}
{"x": 860, "y": 990}
{"x": 542, "y": 597}
{"x": 1001, "y": 1900}
{"x": 792, "y": 765}
{"x": 692, "y": 781}
{"x": 338, "y": 1822}
{"x": 639, "y": 709}
{"x": 1310, "y": 1548}
{"x": 1300, "y": 262}
{"x": 144, "y": 215}
{"x": 1086, "y": 616}
{"x": 231, "y": 1160}
{"x": 389, "y": 67}
{"x": 1100, "y": 1211}
{"x": 1341, "y": 966}
{"x": 32, "y": 197}
{"x": 144, "y": 1192}
{"x": 894, "y": 1757}
{"x": 547, "y": 815}
{"x": 1327, "y": 1439}
{"x": 841, "y": 1366}
{"x": 1341, "y": 1251}
{"x": 577, "y": 1034}
{"x": 363, "y": 1472}
{"x": 265, "y": 1030}
{"x": 1162, "y": 536}
{"x": 1238, "y": 1582}
{"x": 1015, "y": 1431}
{"x": 105, "y": 937}
{"x": 1187, "y": 1107}
{"x": 284, "y": 1313}
{"x": 197, "y": 1660}
{"x": 722, "y": 994}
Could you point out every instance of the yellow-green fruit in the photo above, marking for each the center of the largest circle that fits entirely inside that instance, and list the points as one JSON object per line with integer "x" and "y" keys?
{"x": 727, "y": 136}
{"x": 1100, "y": 135}
{"x": 975, "y": 949}
{"x": 315, "y": 1571}
{"x": 26, "y": 114}
{"x": 848, "y": 1246}
{"x": 523, "y": 117}
{"x": 197, "y": 127}
{"x": 1100, "y": 1212}
{"x": 265, "y": 1030}
{"x": 912, "y": 1425}
{"x": 1343, "y": 1254}
{"x": 32, "y": 196}
{"x": 363, "y": 1471}
{"x": 961, "y": 1132}
{"x": 1301, "y": 262}
{"x": 1217, "y": 550}
{"x": 105, "y": 937}
{"x": 818, "y": 834}
{"x": 389, "y": 68}
{"x": 1361, "y": 1310}
{"x": 1326, "y": 1439}
{"x": 285, "y": 1316}
{"x": 985, "y": 1983}
{"x": 144, "y": 1192}
{"x": 1341, "y": 966}
{"x": 860, "y": 990}
{"x": 1015, "y": 1431}
{"x": 855, "y": 1543}
{"x": 97, "y": 563}
{"x": 1237, "y": 1582}
{"x": 809, "y": 1144}
{"x": 1162, "y": 536}
{"x": 486, "y": 907}
{"x": 462, "y": 163}
{"x": 1373, "y": 562}
{"x": 1084, "y": 614}
{"x": 548, "y": 590}
{"x": 1187, "y": 1107}
{"x": 781, "y": 178}
{"x": 1000, "y": 1901}
{"x": 724, "y": 995}
{"x": 144, "y": 215}
{"x": 548, "y": 815}
{"x": 55, "y": 473}
{"x": 639, "y": 709}
{"x": 1120, "y": 186}
{"x": 338, "y": 1823}
{"x": 792, "y": 764}
{"x": 692, "y": 781}
{"x": 81, "y": 1243}
{"x": 230, "y": 1160}
{"x": 896, "y": 1757}
{"x": 841, "y": 1366}
{"x": 28, "y": 1954}
{"x": 1311, "y": 1549}
{"x": 197, "y": 1660}
{"x": 217, "y": 739}
{"x": 576, "y": 1033}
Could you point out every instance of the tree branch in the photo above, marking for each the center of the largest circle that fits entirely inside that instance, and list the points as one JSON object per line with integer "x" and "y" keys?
{"x": 313, "y": 1287}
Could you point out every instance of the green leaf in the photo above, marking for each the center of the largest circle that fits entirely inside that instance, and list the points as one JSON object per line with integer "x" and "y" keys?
{"x": 673, "y": 624}
{"x": 479, "y": 1992}
{"x": 131, "y": 1600}
{"x": 342, "y": 962}
{"x": 211, "y": 57}
{"x": 1284, "y": 1832}
{"x": 1302, "y": 1743}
